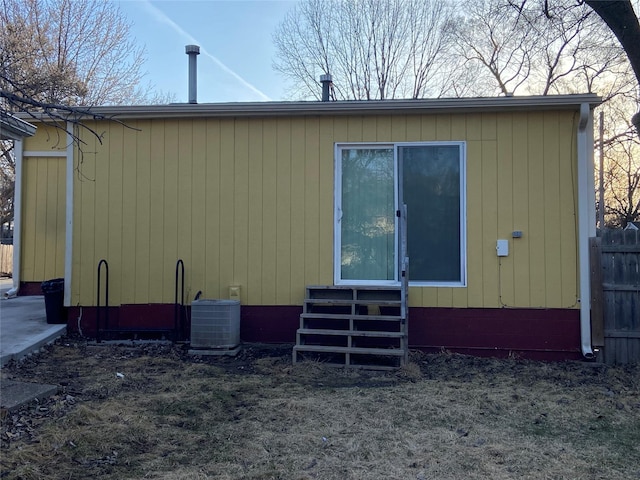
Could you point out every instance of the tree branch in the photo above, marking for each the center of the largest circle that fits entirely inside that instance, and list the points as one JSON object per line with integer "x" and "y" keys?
{"x": 59, "y": 113}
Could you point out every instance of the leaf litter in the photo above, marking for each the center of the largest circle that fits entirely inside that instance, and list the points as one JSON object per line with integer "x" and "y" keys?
{"x": 153, "y": 411}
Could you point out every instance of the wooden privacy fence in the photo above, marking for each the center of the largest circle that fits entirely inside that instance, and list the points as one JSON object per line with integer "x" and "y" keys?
{"x": 615, "y": 268}
{"x": 6, "y": 260}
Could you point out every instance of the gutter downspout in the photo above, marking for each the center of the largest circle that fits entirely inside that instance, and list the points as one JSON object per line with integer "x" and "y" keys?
{"x": 586, "y": 223}
{"x": 17, "y": 221}
{"x": 68, "y": 242}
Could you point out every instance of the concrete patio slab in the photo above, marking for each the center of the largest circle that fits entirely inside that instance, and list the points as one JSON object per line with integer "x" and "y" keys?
{"x": 24, "y": 328}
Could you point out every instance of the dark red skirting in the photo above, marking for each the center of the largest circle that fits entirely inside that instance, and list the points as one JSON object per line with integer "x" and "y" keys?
{"x": 545, "y": 334}
{"x": 28, "y": 289}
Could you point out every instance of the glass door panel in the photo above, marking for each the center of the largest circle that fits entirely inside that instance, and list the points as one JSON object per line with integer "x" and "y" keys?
{"x": 366, "y": 215}
{"x": 431, "y": 181}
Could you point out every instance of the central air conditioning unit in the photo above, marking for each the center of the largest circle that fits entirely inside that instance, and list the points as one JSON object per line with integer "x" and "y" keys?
{"x": 215, "y": 327}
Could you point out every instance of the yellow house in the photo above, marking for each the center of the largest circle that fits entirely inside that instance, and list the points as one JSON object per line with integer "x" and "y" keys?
{"x": 261, "y": 200}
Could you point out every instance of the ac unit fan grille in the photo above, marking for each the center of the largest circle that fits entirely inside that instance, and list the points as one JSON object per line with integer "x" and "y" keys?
{"x": 215, "y": 324}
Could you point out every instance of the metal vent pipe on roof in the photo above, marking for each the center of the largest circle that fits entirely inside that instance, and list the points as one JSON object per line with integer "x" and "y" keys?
{"x": 193, "y": 51}
{"x": 325, "y": 80}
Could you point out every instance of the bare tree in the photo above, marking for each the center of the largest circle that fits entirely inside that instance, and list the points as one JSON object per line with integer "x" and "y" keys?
{"x": 621, "y": 18}
{"x": 519, "y": 50}
{"x": 57, "y": 59}
{"x": 375, "y": 49}
{"x": 594, "y": 60}
{"x": 564, "y": 51}
{"x": 498, "y": 44}
{"x": 622, "y": 185}
{"x": 621, "y": 162}
{"x": 71, "y": 52}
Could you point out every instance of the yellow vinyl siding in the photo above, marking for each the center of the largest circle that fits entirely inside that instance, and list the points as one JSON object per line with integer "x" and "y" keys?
{"x": 506, "y": 222}
{"x": 257, "y": 178}
{"x": 326, "y": 215}
{"x": 297, "y": 214}
{"x": 227, "y": 213}
{"x": 43, "y": 218}
{"x": 413, "y": 130}
{"x": 170, "y": 204}
{"x": 536, "y": 210}
{"x": 266, "y": 291}
{"x": 198, "y": 208}
{"x": 489, "y": 217}
{"x": 139, "y": 239}
{"x": 250, "y": 202}
{"x": 112, "y": 214}
{"x": 312, "y": 203}
{"x": 520, "y": 257}
{"x": 476, "y": 251}
{"x": 130, "y": 228}
{"x": 187, "y": 227}
{"x": 568, "y": 207}
{"x": 213, "y": 215}
{"x": 283, "y": 212}
{"x": 156, "y": 213}
{"x": 241, "y": 206}
{"x": 49, "y": 138}
{"x": 83, "y": 220}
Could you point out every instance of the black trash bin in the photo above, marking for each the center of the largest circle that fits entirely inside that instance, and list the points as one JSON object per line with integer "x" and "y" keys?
{"x": 54, "y": 300}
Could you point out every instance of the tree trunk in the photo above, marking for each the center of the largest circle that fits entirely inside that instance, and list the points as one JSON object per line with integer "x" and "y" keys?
{"x": 621, "y": 19}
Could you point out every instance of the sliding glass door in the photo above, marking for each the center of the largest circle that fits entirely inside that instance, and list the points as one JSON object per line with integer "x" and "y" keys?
{"x": 371, "y": 182}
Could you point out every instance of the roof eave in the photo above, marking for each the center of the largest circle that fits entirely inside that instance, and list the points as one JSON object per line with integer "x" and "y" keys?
{"x": 13, "y": 128}
{"x": 370, "y": 107}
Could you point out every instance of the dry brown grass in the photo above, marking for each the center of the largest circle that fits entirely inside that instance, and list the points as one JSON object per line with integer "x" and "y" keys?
{"x": 257, "y": 417}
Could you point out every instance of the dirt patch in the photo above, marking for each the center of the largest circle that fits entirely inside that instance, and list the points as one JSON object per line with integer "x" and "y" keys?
{"x": 153, "y": 411}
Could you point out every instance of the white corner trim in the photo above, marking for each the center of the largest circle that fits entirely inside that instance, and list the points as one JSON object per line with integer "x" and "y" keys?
{"x": 68, "y": 240}
{"x": 17, "y": 218}
{"x": 45, "y": 153}
{"x": 586, "y": 222}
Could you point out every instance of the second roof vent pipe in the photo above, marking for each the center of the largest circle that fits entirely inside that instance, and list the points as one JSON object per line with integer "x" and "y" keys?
{"x": 193, "y": 51}
{"x": 325, "y": 80}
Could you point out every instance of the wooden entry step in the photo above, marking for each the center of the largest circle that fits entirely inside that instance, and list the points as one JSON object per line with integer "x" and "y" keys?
{"x": 351, "y": 333}
{"x": 353, "y": 326}
{"x": 342, "y": 316}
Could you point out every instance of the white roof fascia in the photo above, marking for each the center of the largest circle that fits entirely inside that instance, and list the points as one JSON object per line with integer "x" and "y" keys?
{"x": 360, "y": 107}
{"x": 13, "y": 128}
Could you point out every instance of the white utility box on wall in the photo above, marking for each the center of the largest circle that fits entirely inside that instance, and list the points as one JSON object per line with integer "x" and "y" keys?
{"x": 502, "y": 248}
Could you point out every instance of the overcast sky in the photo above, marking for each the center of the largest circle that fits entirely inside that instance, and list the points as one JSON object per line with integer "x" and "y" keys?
{"x": 236, "y": 48}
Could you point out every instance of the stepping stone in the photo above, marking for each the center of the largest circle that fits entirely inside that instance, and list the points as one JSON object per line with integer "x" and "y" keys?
{"x": 14, "y": 395}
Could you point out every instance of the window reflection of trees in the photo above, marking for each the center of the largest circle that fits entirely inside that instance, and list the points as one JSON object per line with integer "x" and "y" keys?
{"x": 431, "y": 190}
{"x": 368, "y": 221}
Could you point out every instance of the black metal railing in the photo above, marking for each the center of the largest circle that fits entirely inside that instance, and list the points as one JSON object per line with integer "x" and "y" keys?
{"x": 178, "y": 308}
{"x": 102, "y": 263}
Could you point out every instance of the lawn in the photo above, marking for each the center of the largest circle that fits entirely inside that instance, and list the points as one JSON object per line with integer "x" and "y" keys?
{"x": 153, "y": 411}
